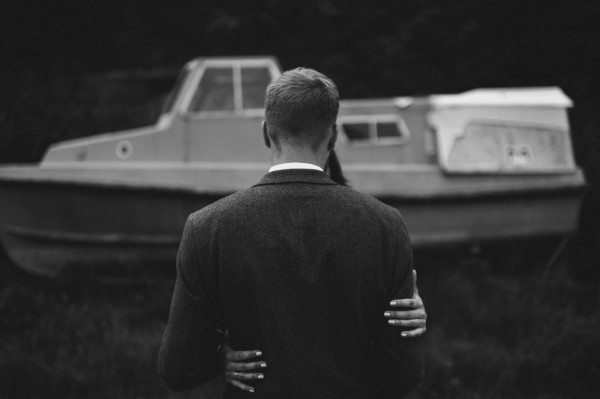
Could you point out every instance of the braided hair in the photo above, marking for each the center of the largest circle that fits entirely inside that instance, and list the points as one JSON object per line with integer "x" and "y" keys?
{"x": 334, "y": 168}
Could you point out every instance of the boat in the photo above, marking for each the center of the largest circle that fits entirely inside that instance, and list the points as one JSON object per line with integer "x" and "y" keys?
{"x": 482, "y": 165}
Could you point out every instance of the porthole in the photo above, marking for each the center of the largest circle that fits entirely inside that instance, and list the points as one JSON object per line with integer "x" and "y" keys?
{"x": 124, "y": 149}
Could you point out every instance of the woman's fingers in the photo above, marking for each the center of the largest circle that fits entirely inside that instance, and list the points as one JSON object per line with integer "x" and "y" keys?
{"x": 238, "y": 356}
{"x": 414, "y": 333}
{"x": 240, "y": 376}
{"x": 239, "y": 363}
{"x": 240, "y": 385}
{"x": 235, "y": 366}
{"x": 414, "y": 303}
{"x": 413, "y": 317}
{"x": 412, "y": 323}
{"x": 406, "y": 314}
{"x": 235, "y": 378}
{"x": 406, "y": 318}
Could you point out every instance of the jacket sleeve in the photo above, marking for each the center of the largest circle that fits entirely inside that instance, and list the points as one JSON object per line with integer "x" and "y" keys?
{"x": 399, "y": 360}
{"x": 188, "y": 355}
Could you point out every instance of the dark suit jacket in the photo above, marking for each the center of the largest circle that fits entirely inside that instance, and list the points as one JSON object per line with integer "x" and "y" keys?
{"x": 302, "y": 269}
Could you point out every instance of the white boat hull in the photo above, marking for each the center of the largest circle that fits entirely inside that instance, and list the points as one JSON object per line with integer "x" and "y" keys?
{"x": 94, "y": 219}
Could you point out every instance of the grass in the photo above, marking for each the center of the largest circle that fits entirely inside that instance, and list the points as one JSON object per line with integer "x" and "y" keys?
{"x": 499, "y": 330}
{"x": 74, "y": 339}
{"x": 494, "y": 331}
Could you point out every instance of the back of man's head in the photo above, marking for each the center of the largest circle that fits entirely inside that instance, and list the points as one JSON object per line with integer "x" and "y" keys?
{"x": 301, "y": 101}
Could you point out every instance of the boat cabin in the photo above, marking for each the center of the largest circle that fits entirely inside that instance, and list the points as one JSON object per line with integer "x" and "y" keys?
{"x": 215, "y": 110}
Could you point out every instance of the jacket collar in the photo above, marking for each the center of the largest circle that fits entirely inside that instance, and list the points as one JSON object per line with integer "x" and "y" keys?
{"x": 296, "y": 176}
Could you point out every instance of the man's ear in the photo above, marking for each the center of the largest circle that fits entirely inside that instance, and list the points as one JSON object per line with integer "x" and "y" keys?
{"x": 333, "y": 138}
{"x": 266, "y": 135}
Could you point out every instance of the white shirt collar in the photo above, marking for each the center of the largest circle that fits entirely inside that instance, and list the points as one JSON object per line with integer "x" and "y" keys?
{"x": 294, "y": 165}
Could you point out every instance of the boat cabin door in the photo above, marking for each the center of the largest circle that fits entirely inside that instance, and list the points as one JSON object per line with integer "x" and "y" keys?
{"x": 224, "y": 109}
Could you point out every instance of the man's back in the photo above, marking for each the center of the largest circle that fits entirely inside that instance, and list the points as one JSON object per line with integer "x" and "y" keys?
{"x": 297, "y": 267}
{"x": 303, "y": 269}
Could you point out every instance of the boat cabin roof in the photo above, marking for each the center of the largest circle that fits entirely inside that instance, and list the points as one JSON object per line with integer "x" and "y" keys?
{"x": 501, "y": 97}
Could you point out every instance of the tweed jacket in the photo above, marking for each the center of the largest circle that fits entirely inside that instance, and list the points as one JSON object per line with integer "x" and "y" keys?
{"x": 302, "y": 269}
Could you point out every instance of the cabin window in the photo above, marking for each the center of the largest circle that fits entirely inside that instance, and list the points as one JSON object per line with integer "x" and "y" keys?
{"x": 375, "y": 129}
{"x": 357, "y": 131}
{"x": 254, "y": 86}
{"x": 388, "y": 130}
{"x": 215, "y": 91}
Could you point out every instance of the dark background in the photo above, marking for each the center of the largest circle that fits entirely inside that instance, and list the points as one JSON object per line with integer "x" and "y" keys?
{"x": 56, "y": 58}
{"x": 505, "y": 328}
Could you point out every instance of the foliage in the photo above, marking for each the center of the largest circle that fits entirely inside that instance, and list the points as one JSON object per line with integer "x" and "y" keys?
{"x": 494, "y": 331}
{"x": 72, "y": 338}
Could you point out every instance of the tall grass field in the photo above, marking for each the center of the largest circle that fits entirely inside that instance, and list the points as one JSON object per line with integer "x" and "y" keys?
{"x": 498, "y": 327}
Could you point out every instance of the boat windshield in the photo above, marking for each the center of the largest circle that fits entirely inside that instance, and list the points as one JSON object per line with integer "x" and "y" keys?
{"x": 215, "y": 92}
{"x": 254, "y": 86}
{"x": 170, "y": 101}
{"x": 233, "y": 89}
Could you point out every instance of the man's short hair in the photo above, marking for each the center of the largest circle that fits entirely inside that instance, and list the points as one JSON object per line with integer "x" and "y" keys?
{"x": 302, "y": 100}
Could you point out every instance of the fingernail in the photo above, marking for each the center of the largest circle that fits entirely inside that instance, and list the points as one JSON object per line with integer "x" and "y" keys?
{"x": 392, "y": 321}
{"x": 393, "y": 303}
{"x": 258, "y": 353}
{"x": 404, "y": 334}
{"x": 261, "y": 377}
{"x": 387, "y": 314}
{"x": 263, "y": 365}
{"x": 251, "y": 390}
